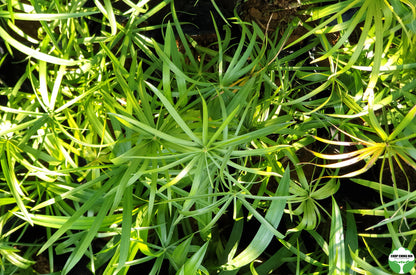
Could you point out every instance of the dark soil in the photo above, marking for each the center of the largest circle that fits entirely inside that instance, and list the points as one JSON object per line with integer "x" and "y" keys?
{"x": 268, "y": 15}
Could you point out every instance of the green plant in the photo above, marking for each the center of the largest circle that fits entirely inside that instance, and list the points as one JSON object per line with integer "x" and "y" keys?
{"x": 129, "y": 151}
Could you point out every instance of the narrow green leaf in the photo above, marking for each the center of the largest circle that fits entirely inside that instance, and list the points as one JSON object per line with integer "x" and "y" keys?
{"x": 174, "y": 68}
{"x": 7, "y": 167}
{"x": 205, "y": 121}
{"x": 351, "y": 237}
{"x": 219, "y": 12}
{"x": 258, "y": 151}
{"x": 351, "y": 27}
{"x": 376, "y": 12}
{"x": 330, "y": 188}
{"x": 82, "y": 223}
{"x": 87, "y": 238}
{"x": 223, "y": 126}
{"x": 185, "y": 171}
{"x": 236, "y": 70}
{"x": 110, "y": 15}
{"x": 36, "y": 54}
{"x": 167, "y": 49}
{"x": 403, "y": 124}
{"x": 193, "y": 264}
{"x": 179, "y": 254}
{"x": 173, "y": 112}
{"x": 138, "y": 126}
{"x": 254, "y": 134}
{"x": 125, "y": 178}
{"x": 337, "y": 264}
{"x": 240, "y": 97}
{"x": 184, "y": 41}
{"x": 75, "y": 217}
{"x": 10, "y": 254}
{"x": 300, "y": 254}
{"x": 263, "y": 236}
{"x": 366, "y": 266}
{"x": 232, "y": 243}
{"x": 56, "y": 86}
{"x": 376, "y": 125}
{"x": 126, "y": 227}
{"x": 45, "y": 16}
{"x": 399, "y": 216}
{"x": 237, "y": 53}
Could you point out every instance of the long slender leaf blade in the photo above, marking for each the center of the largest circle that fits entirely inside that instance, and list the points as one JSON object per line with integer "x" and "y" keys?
{"x": 376, "y": 12}
{"x": 182, "y": 37}
{"x": 263, "y": 235}
{"x": 14, "y": 258}
{"x": 45, "y": 16}
{"x": 337, "y": 262}
{"x": 166, "y": 77}
{"x": 174, "y": 68}
{"x": 403, "y": 124}
{"x": 366, "y": 266}
{"x": 351, "y": 237}
{"x": 252, "y": 135}
{"x": 126, "y": 227}
{"x": 138, "y": 126}
{"x": 36, "y": 54}
{"x": 72, "y": 220}
{"x": 204, "y": 122}
{"x": 223, "y": 126}
{"x": 192, "y": 265}
{"x": 89, "y": 235}
{"x": 8, "y": 171}
{"x": 179, "y": 255}
{"x": 185, "y": 171}
{"x": 173, "y": 112}
{"x": 111, "y": 17}
{"x": 338, "y": 156}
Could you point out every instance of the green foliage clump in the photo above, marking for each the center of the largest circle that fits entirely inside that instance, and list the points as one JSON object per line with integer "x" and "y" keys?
{"x": 130, "y": 151}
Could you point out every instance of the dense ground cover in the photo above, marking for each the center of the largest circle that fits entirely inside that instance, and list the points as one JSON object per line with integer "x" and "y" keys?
{"x": 285, "y": 145}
